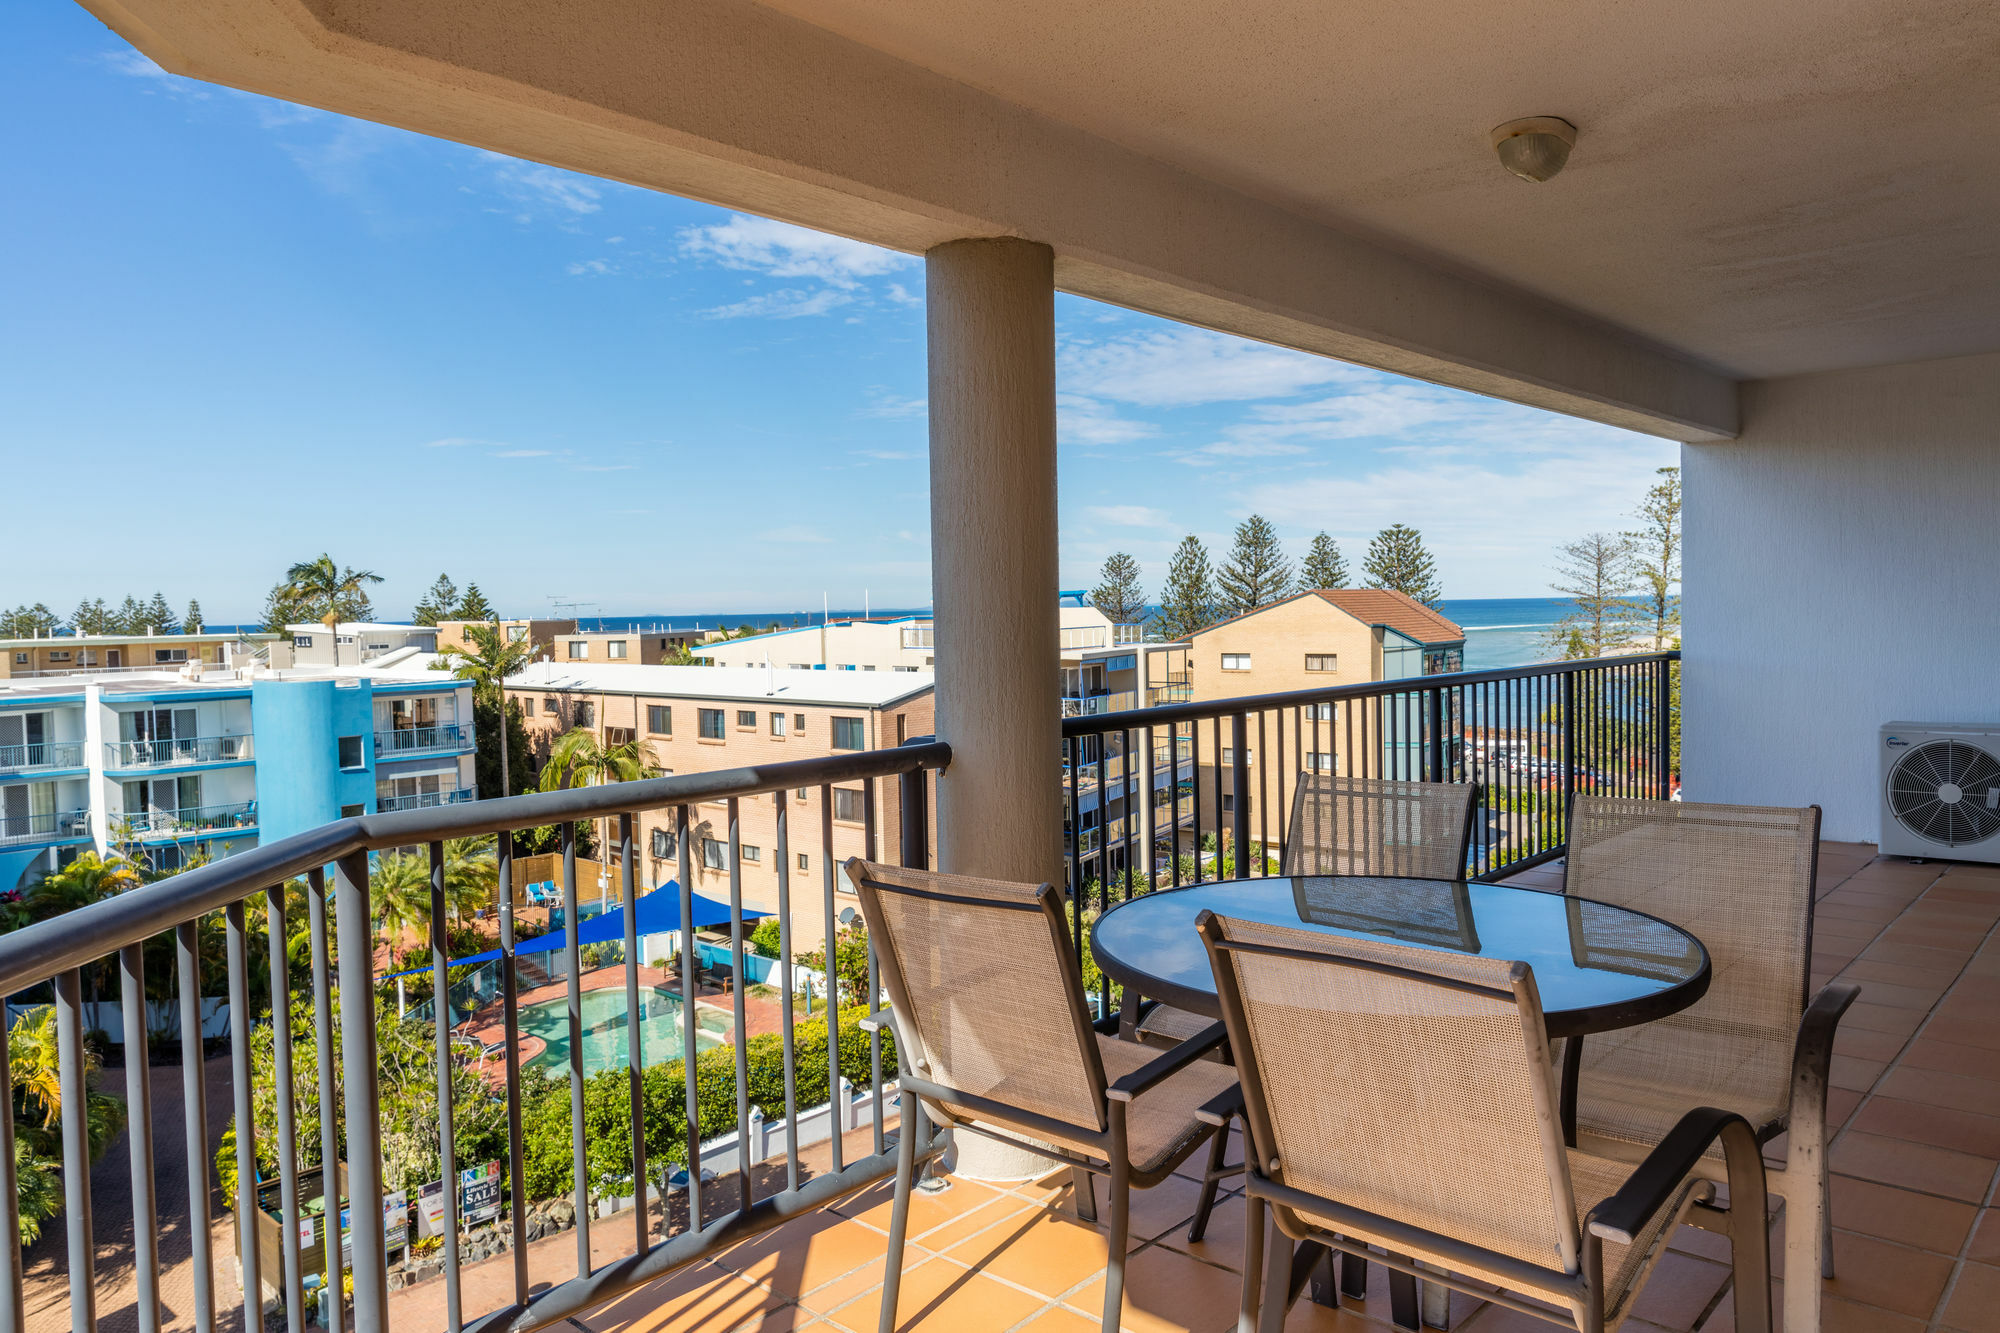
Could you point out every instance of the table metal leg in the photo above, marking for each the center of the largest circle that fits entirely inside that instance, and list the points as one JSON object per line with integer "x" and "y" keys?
{"x": 1572, "y": 1071}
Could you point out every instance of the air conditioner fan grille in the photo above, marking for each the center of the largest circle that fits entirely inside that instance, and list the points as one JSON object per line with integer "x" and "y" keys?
{"x": 1947, "y": 791}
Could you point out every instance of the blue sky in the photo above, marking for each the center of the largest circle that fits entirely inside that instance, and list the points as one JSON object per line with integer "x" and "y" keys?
{"x": 240, "y": 332}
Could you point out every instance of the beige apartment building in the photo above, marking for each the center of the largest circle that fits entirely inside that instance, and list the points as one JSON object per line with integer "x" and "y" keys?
{"x": 452, "y": 633}
{"x": 624, "y": 647}
{"x": 704, "y": 719}
{"x": 70, "y": 654}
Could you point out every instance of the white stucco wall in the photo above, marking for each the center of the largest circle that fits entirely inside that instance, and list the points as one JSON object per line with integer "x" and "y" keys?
{"x": 1842, "y": 571}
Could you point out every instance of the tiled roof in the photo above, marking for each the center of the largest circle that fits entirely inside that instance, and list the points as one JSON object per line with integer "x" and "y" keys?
{"x": 1399, "y": 611}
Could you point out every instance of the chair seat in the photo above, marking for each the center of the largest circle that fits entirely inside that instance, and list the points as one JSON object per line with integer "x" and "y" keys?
{"x": 1165, "y": 1025}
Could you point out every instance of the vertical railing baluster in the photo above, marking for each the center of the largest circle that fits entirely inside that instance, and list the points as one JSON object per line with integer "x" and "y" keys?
{"x": 1239, "y": 778}
{"x": 1263, "y": 775}
{"x": 237, "y": 950}
{"x": 510, "y": 1019}
{"x": 138, "y": 1138}
{"x": 874, "y": 996}
{"x": 786, "y": 986}
{"x": 635, "y": 1042}
{"x": 690, "y": 991}
{"x": 1073, "y": 872}
{"x": 573, "y": 963}
{"x": 194, "y": 1104}
{"x": 329, "y": 1092}
{"x": 13, "y": 1301}
{"x": 76, "y": 1152}
{"x": 284, "y": 1141}
{"x": 353, "y": 921}
{"x": 831, "y": 927}
{"x": 1149, "y": 765}
{"x": 447, "y": 1143}
{"x": 741, "y": 1040}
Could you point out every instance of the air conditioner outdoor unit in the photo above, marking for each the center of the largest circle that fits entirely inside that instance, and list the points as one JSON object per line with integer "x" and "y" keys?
{"x": 1941, "y": 791}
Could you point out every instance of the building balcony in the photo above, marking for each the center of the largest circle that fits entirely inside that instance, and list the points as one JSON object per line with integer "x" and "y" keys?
{"x": 53, "y": 827}
{"x": 1091, "y": 705}
{"x": 41, "y": 756}
{"x": 194, "y": 821}
{"x": 919, "y": 636}
{"x": 409, "y": 742}
{"x": 422, "y": 800}
{"x": 178, "y": 753}
{"x": 1122, "y": 635}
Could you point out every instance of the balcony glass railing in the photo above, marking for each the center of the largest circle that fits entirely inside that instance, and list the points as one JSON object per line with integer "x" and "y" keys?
{"x": 918, "y": 636}
{"x": 422, "y": 800}
{"x": 50, "y": 827}
{"x": 1124, "y": 634}
{"x": 42, "y": 754}
{"x": 192, "y": 820}
{"x": 181, "y": 750}
{"x": 421, "y": 740}
{"x": 1085, "y": 636}
{"x": 1094, "y": 704}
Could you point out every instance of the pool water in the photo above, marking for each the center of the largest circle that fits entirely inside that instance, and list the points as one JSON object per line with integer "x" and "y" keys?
{"x": 605, "y": 1041}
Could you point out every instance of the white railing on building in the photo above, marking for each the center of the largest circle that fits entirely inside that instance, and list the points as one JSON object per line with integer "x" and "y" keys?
{"x": 41, "y": 754}
{"x": 421, "y": 740}
{"x": 178, "y": 750}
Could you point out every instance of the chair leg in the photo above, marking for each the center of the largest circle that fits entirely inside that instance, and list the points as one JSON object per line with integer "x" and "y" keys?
{"x": 899, "y": 1211}
{"x": 1210, "y": 1185}
{"x": 1750, "y": 1237}
{"x": 1403, "y": 1309}
{"x": 1085, "y": 1192}
{"x": 1253, "y": 1264}
{"x": 1353, "y": 1277}
{"x": 1114, "y": 1267}
{"x": 1277, "y": 1281}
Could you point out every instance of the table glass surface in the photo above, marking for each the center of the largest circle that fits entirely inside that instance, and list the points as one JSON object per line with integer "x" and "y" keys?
{"x": 1587, "y": 956}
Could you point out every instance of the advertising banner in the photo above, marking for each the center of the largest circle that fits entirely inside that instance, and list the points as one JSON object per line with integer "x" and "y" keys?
{"x": 479, "y": 1193}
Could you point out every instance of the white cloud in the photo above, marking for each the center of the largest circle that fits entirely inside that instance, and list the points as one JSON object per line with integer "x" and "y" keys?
{"x": 456, "y": 442}
{"x": 606, "y": 467}
{"x": 762, "y": 245}
{"x": 523, "y": 453}
{"x": 901, "y": 295}
{"x": 136, "y": 64}
{"x": 882, "y": 403}
{"x": 1185, "y": 367}
{"x": 887, "y": 455}
{"x": 589, "y": 268}
{"x": 796, "y": 535}
{"x": 1081, "y": 420}
{"x": 789, "y": 303}
{"x": 533, "y": 183}
{"x": 1129, "y": 516}
{"x": 1209, "y": 455}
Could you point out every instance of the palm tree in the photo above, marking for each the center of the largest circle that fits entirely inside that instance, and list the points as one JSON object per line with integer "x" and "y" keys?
{"x": 37, "y": 1190}
{"x": 32, "y": 1066}
{"x": 400, "y": 885}
{"x": 86, "y": 880}
{"x": 579, "y": 759}
{"x": 492, "y": 658}
{"x": 334, "y": 592}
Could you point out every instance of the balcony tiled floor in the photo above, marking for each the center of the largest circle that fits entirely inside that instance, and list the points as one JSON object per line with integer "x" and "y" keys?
{"x": 1916, "y": 1104}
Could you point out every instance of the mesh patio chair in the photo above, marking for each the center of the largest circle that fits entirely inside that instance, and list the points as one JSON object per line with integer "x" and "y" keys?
{"x": 987, "y": 1000}
{"x": 1403, "y": 1099}
{"x": 1759, "y": 1043}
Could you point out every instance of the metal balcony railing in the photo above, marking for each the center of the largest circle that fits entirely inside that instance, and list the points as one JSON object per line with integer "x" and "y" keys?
{"x": 41, "y": 754}
{"x": 1157, "y": 695}
{"x": 1084, "y": 636}
{"x": 421, "y": 740}
{"x": 919, "y": 636}
{"x": 423, "y": 800}
{"x": 674, "y": 1222}
{"x": 180, "y": 750}
{"x": 1091, "y": 705}
{"x": 1128, "y": 634}
{"x": 53, "y": 826}
{"x": 236, "y": 815}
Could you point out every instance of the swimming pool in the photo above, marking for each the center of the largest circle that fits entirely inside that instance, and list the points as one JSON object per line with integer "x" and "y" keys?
{"x": 605, "y": 1043}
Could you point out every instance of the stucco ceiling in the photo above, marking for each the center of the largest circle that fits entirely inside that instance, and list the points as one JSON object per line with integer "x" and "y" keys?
{"x": 1769, "y": 187}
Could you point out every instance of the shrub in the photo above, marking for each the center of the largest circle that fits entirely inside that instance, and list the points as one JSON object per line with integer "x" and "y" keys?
{"x": 764, "y": 938}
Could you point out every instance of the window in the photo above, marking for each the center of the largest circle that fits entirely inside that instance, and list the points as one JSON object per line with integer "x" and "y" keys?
{"x": 552, "y": 706}
{"x": 578, "y": 648}
{"x": 902, "y": 668}
{"x": 1322, "y": 661}
{"x": 753, "y": 853}
{"x": 302, "y": 641}
{"x": 1320, "y": 761}
{"x": 663, "y": 842}
{"x": 20, "y": 659}
{"x": 746, "y": 718}
{"x": 350, "y": 752}
{"x": 1229, "y": 801}
{"x": 868, "y": 668}
{"x": 798, "y": 666}
{"x": 846, "y": 666}
{"x": 1229, "y": 755}
{"x": 59, "y": 655}
{"x": 527, "y": 708}
{"x": 659, "y": 719}
{"x": 517, "y": 633}
{"x": 615, "y": 648}
{"x": 353, "y": 811}
{"x": 620, "y": 735}
{"x": 1236, "y": 661}
{"x": 802, "y": 860}
{"x": 902, "y": 728}
{"x": 798, "y": 724}
{"x": 801, "y": 794}
{"x": 1325, "y": 712}
{"x": 847, "y": 733}
{"x": 712, "y": 854}
{"x": 777, "y": 724}
{"x": 711, "y": 724}
{"x": 847, "y": 804}
{"x": 586, "y": 713}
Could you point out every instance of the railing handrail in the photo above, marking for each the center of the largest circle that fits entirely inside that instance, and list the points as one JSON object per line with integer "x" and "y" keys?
{"x": 57, "y": 747}
{"x": 1202, "y": 710}
{"x": 119, "y": 751}
{"x": 35, "y": 953}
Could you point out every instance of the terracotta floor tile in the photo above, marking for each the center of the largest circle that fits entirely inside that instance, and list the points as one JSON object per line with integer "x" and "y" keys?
{"x": 1985, "y": 1247}
{"x": 939, "y": 1296}
{"x": 928, "y": 1210}
{"x": 1978, "y": 1095}
{"x": 1060, "y": 1319}
{"x": 1890, "y": 1277}
{"x": 1940, "y": 961}
{"x": 1836, "y": 1316}
{"x": 1222, "y": 1243}
{"x": 1922, "y": 1220}
{"x": 1046, "y": 1252}
{"x": 701, "y": 1297}
{"x": 1939, "y": 1126}
{"x": 1961, "y": 1030}
{"x": 1865, "y": 1045}
{"x": 1854, "y": 1075}
{"x": 1927, "y": 1052}
{"x": 1679, "y": 1290}
{"x": 1899, "y": 974}
{"x": 1167, "y": 1292}
{"x": 996, "y": 1213}
{"x": 1881, "y": 1017}
{"x": 797, "y": 1259}
{"x": 1916, "y": 1166}
{"x": 1920, "y": 998}
{"x": 1975, "y": 1300}
{"x": 1165, "y": 1207}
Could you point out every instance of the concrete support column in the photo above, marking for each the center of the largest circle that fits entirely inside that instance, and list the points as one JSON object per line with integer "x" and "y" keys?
{"x": 991, "y": 309}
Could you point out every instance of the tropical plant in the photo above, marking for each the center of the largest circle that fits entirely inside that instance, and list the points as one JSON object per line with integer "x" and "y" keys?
{"x": 850, "y": 963}
{"x": 579, "y": 759}
{"x": 326, "y": 591}
{"x": 38, "y": 1192}
{"x": 1117, "y": 593}
{"x": 1257, "y": 571}
{"x": 763, "y": 938}
{"x": 492, "y": 658}
{"x": 87, "y": 879}
{"x": 1187, "y": 603}
{"x": 1398, "y": 561}
{"x": 1324, "y": 566}
{"x": 399, "y": 885}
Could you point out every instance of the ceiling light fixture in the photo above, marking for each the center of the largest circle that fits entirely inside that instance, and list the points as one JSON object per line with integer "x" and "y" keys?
{"x": 1535, "y": 148}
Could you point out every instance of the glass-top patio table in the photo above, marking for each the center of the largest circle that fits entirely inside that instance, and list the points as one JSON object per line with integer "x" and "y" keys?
{"x": 1597, "y": 967}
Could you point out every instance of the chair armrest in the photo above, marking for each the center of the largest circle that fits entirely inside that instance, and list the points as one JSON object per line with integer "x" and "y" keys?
{"x": 878, "y": 1020}
{"x": 1221, "y": 1108}
{"x": 1169, "y": 1064}
{"x": 1812, "y": 1052}
{"x": 1624, "y": 1215}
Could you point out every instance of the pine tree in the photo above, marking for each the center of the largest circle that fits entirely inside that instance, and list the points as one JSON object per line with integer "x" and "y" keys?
{"x": 160, "y": 616}
{"x": 131, "y": 616}
{"x": 1595, "y": 573}
{"x": 1397, "y": 560}
{"x": 1117, "y": 593}
{"x": 474, "y": 605}
{"x": 28, "y": 622}
{"x": 1187, "y": 603}
{"x": 92, "y": 617}
{"x": 1325, "y": 566}
{"x": 1257, "y": 571}
{"x": 1656, "y": 554}
{"x": 192, "y": 622}
{"x": 440, "y": 603}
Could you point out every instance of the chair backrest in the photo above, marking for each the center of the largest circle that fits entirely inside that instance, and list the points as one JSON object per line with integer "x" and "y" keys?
{"x": 1740, "y": 878}
{"x": 987, "y": 993}
{"x": 1379, "y": 826}
{"x": 1414, "y": 1084}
